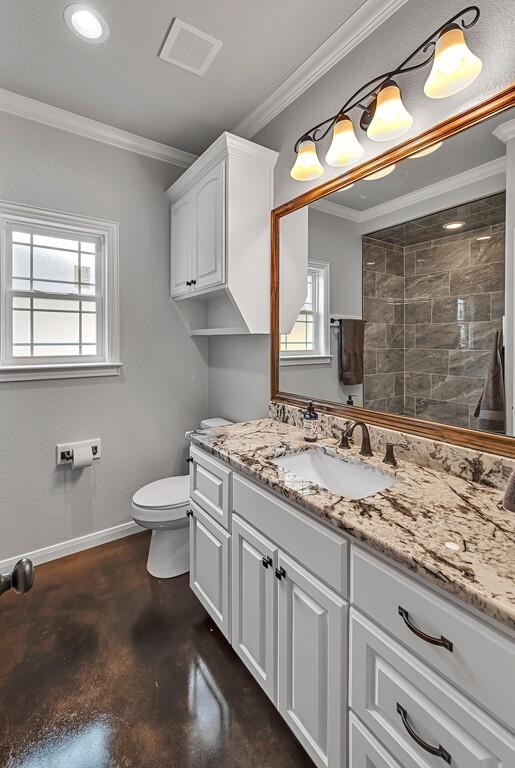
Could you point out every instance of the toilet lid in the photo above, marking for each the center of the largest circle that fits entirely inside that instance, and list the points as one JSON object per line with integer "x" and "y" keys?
{"x": 165, "y": 493}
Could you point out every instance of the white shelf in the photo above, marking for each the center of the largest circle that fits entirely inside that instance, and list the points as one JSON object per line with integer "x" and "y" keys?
{"x": 219, "y": 331}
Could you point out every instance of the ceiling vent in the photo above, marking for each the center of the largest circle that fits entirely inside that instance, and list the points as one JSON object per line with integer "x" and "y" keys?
{"x": 189, "y": 47}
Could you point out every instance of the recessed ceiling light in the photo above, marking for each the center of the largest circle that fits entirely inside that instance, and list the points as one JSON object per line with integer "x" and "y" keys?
{"x": 428, "y": 150}
{"x": 380, "y": 174}
{"x": 86, "y": 23}
{"x": 484, "y": 237}
{"x": 454, "y": 225}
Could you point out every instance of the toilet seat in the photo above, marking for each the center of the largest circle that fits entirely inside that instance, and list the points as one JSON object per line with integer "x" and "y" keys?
{"x": 168, "y": 493}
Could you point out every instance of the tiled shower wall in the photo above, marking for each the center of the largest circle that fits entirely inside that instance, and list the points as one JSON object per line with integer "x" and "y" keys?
{"x": 431, "y": 323}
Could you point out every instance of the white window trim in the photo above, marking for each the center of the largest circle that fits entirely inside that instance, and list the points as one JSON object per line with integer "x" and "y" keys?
{"x": 11, "y": 213}
{"x": 316, "y": 358}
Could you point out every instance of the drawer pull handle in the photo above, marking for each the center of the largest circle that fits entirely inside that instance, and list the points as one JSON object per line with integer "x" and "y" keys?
{"x": 189, "y": 513}
{"x": 280, "y": 573}
{"x": 439, "y": 751}
{"x": 189, "y": 460}
{"x": 267, "y": 561}
{"x": 442, "y": 641}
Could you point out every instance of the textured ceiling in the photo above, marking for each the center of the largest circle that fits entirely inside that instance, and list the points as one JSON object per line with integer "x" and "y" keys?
{"x": 123, "y": 83}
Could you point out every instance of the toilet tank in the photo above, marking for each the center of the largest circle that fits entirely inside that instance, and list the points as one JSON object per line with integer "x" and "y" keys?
{"x": 211, "y": 423}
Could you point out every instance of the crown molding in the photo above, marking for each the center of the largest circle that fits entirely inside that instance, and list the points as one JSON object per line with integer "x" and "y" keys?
{"x": 505, "y": 131}
{"x": 335, "y": 209}
{"x": 353, "y": 31}
{"x": 31, "y": 109}
{"x": 472, "y": 176}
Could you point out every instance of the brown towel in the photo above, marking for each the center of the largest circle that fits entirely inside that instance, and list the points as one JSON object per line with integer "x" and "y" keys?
{"x": 490, "y": 407}
{"x": 350, "y": 351}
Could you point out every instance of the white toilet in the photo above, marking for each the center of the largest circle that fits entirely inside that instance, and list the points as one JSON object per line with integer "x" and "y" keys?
{"x": 162, "y": 506}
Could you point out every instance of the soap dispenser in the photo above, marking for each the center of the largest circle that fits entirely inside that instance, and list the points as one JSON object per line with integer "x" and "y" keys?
{"x": 310, "y": 424}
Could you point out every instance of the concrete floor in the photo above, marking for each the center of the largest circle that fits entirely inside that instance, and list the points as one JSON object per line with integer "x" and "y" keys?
{"x": 103, "y": 666}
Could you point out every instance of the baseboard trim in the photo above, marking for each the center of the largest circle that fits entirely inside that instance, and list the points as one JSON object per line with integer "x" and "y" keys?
{"x": 71, "y": 546}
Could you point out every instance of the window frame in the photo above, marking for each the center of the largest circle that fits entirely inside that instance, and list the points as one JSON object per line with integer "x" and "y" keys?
{"x": 320, "y": 355}
{"x": 49, "y": 222}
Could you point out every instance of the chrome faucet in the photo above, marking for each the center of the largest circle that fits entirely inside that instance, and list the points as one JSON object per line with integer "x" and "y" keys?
{"x": 366, "y": 448}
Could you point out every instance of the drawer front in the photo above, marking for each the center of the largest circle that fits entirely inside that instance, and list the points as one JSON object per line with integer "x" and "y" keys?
{"x": 209, "y": 567}
{"x": 421, "y": 719}
{"x": 364, "y": 750}
{"x": 210, "y": 486}
{"x": 482, "y": 661}
{"x": 317, "y": 548}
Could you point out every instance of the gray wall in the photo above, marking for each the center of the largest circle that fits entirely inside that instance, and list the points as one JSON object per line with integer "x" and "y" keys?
{"x": 337, "y": 241}
{"x": 399, "y": 35}
{"x": 141, "y": 415}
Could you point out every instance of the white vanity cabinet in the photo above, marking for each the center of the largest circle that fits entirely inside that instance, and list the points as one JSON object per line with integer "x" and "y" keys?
{"x": 317, "y": 620}
{"x": 220, "y": 238}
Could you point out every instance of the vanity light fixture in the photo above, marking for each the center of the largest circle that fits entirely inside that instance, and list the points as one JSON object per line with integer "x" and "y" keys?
{"x": 86, "y": 23}
{"x": 307, "y": 165}
{"x": 427, "y": 151}
{"x": 391, "y": 118}
{"x": 454, "y": 65}
{"x": 381, "y": 174}
{"x": 344, "y": 147}
{"x": 454, "y": 225}
{"x": 383, "y": 115}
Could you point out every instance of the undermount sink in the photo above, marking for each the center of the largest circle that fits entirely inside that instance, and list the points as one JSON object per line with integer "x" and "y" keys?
{"x": 351, "y": 479}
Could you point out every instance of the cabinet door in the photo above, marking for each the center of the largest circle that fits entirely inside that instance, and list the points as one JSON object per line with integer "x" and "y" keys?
{"x": 312, "y": 669}
{"x": 182, "y": 242}
{"x": 209, "y": 195}
{"x": 209, "y": 567}
{"x": 254, "y": 621}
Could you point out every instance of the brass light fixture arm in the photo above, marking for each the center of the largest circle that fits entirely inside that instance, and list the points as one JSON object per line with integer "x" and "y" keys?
{"x": 370, "y": 90}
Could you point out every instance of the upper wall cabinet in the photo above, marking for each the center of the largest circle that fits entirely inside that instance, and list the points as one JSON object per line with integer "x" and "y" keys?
{"x": 220, "y": 211}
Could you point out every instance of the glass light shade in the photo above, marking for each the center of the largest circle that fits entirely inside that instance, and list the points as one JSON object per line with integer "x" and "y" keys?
{"x": 344, "y": 147}
{"x": 428, "y": 150}
{"x": 381, "y": 174}
{"x": 454, "y": 65}
{"x": 307, "y": 165}
{"x": 391, "y": 118}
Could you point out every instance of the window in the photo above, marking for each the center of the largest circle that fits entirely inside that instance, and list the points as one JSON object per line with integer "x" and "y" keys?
{"x": 59, "y": 295}
{"x": 309, "y": 337}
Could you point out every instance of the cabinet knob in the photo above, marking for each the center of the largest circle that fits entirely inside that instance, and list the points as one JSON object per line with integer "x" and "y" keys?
{"x": 189, "y": 460}
{"x": 193, "y": 282}
{"x": 266, "y": 561}
{"x": 188, "y": 282}
{"x": 280, "y": 573}
{"x": 189, "y": 513}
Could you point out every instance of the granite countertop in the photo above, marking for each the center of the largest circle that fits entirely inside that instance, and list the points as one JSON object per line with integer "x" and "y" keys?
{"x": 451, "y": 531}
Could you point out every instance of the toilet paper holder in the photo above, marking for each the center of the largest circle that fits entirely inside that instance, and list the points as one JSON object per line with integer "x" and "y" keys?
{"x": 64, "y": 451}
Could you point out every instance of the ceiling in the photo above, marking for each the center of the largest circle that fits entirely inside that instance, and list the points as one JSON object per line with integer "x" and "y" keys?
{"x": 458, "y": 154}
{"x": 123, "y": 83}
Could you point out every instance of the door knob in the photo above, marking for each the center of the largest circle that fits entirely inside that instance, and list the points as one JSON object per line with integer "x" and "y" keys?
{"x": 20, "y": 579}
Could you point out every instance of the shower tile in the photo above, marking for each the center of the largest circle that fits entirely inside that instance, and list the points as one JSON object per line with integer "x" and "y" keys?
{"x": 498, "y": 305}
{"x": 418, "y": 384}
{"x": 487, "y": 251}
{"x": 369, "y": 283}
{"x": 468, "y": 363}
{"x": 389, "y": 360}
{"x": 482, "y": 335}
{"x": 418, "y": 311}
{"x": 458, "y": 389}
{"x": 395, "y": 336}
{"x": 438, "y": 410}
{"x": 390, "y": 286}
{"x": 395, "y": 262}
{"x": 424, "y": 286}
{"x": 443, "y": 257}
{"x": 375, "y": 335}
{"x": 370, "y": 361}
{"x": 379, "y": 385}
{"x": 461, "y": 308}
{"x": 374, "y": 257}
{"x": 443, "y": 336}
{"x": 426, "y": 361}
{"x": 377, "y": 310}
{"x": 466, "y": 281}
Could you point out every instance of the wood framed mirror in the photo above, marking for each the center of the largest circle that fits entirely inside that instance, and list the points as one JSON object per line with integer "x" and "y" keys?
{"x": 435, "y": 301}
